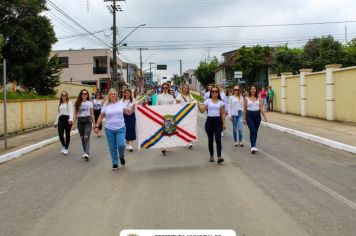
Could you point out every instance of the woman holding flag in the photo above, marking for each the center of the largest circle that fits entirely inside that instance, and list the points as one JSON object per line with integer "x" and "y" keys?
{"x": 165, "y": 99}
{"x": 185, "y": 97}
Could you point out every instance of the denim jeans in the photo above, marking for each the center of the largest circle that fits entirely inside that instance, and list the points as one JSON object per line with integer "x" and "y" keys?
{"x": 237, "y": 125}
{"x": 253, "y": 119}
{"x": 84, "y": 128}
{"x": 116, "y": 143}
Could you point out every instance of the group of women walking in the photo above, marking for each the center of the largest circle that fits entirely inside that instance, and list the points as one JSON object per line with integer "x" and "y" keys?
{"x": 88, "y": 115}
{"x": 120, "y": 120}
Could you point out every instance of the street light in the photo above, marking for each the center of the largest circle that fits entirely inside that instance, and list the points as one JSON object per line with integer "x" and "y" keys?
{"x": 141, "y": 25}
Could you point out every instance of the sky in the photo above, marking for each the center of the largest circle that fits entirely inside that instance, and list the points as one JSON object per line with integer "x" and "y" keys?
{"x": 198, "y": 30}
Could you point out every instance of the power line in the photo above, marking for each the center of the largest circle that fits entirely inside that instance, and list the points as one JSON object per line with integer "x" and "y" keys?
{"x": 76, "y": 23}
{"x": 246, "y": 26}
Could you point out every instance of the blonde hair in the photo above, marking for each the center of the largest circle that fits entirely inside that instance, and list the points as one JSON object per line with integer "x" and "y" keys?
{"x": 107, "y": 100}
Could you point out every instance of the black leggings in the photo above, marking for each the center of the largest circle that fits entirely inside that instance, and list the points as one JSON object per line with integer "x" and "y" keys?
{"x": 64, "y": 126}
{"x": 96, "y": 116}
{"x": 213, "y": 127}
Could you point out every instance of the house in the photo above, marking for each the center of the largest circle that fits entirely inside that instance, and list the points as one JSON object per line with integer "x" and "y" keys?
{"x": 192, "y": 80}
{"x": 93, "y": 67}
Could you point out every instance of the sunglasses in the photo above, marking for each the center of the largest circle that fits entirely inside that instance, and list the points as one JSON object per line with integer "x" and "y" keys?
{"x": 84, "y": 93}
{"x": 63, "y": 95}
{"x": 214, "y": 91}
{"x": 164, "y": 87}
{"x": 236, "y": 89}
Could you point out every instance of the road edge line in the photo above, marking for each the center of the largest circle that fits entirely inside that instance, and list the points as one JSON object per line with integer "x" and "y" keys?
{"x": 18, "y": 153}
{"x": 314, "y": 138}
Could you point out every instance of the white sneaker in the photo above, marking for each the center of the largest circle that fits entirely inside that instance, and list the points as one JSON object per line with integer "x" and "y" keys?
{"x": 130, "y": 148}
{"x": 254, "y": 150}
{"x": 62, "y": 151}
{"x": 222, "y": 134}
{"x": 236, "y": 144}
{"x": 241, "y": 144}
{"x": 85, "y": 157}
{"x": 65, "y": 151}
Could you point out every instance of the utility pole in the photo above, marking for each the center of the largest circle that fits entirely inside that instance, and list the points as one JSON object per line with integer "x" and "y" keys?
{"x": 345, "y": 34}
{"x": 113, "y": 9}
{"x": 5, "y": 101}
{"x": 141, "y": 73}
{"x": 180, "y": 66}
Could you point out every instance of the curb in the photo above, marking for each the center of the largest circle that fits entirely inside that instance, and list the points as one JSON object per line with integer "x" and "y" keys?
{"x": 314, "y": 138}
{"x": 18, "y": 153}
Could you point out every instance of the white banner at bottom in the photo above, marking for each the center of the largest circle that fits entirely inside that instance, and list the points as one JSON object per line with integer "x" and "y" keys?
{"x": 177, "y": 232}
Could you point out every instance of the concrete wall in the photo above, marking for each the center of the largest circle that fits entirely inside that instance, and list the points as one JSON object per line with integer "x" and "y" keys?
{"x": 293, "y": 95}
{"x": 74, "y": 89}
{"x": 275, "y": 82}
{"x": 327, "y": 94}
{"x": 345, "y": 90}
{"x": 29, "y": 114}
{"x": 316, "y": 95}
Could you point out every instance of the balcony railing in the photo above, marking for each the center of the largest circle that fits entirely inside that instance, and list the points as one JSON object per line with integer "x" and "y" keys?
{"x": 100, "y": 70}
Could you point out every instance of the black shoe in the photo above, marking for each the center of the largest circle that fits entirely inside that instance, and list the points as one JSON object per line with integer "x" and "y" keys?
{"x": 115, "y": 167}
{"x": 211, "y": 159}
{"x": 130, "y": 150}
{"x": 122, "y": 161}
{"x": 164, "y": 152}
{"x": 220, "y": 160}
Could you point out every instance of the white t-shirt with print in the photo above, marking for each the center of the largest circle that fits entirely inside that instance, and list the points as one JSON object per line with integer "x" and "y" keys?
{"x": 214, "y": 108}
{"x": 84, "y": 109}
{"x": 114, "y": 115}
{"x": 128, "y": 103}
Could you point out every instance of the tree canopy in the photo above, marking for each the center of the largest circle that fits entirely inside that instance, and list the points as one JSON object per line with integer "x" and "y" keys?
{"x": 29, "y": 38}
{"x": 205, "y": 71}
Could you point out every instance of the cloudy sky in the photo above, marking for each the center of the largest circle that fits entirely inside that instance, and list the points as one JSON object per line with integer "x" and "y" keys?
{"x": 195, "y": 30}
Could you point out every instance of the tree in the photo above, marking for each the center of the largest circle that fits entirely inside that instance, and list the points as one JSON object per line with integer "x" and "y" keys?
{"x": 29, "y": 38}
{"x": 319, "y": 52}
{"x": 350, "y": 51}
{"x": 48, "y": 84}
{"x": 177, "y": 80}
{"x": 205, "y": 72}
{"x": 251, "y": 61}
{"x": 287, "y": 60}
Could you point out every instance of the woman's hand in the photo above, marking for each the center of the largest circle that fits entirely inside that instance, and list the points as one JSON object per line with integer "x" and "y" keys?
{"x": 245, "y": 122}
{"x": 96, "y": 130}
{"x": 224, "y": 127}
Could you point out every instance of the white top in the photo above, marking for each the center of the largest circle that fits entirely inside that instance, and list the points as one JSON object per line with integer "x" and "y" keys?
{"x": 114, "y": 115}
{"x": 253, "y": 106}
{"x": 235, "y": 105}
{"x": 214, "y": 108}
{"x": 223, "y": 98}
{"x": 206, "y": 95}
{"x": 84, "y": 109}
{"x": 128, "y": 103}
{"x": 185, "y": 99}
{"x": 65, "y": 109}
{"x": 98, "y": 104}
{"x": 165, "y": 99}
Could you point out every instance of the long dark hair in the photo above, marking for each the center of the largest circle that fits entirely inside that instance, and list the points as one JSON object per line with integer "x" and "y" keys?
{"x": 249, "y": 90}
{"x": 210, "y": 96}
{"x": 61, "y": 99}
{"x": 79, "y": 100}
{"x": 127, "y": 90}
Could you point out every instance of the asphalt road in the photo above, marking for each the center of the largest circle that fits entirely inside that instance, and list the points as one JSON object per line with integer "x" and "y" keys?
{"x": 291, "y": 187}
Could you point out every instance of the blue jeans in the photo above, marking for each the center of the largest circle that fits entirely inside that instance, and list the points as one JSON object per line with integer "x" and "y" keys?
{"x": 116, "y": 142}
{"x": 253, "y": 119}
{"x": 237, "y": 124}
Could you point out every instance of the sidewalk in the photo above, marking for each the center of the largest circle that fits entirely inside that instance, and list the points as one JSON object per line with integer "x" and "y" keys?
{"x": 337, "y": 131}
{"x": 18, "y": 141}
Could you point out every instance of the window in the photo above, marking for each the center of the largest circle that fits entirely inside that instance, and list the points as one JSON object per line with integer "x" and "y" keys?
{"x": 64, "y": 61}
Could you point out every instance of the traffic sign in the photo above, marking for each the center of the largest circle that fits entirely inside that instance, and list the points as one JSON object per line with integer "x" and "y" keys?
{"x": 238, "y": 74}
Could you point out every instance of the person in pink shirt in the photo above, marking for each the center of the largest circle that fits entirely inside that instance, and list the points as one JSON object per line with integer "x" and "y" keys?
{"x": 263, "y": 96}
